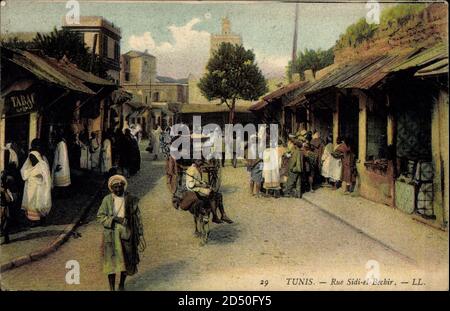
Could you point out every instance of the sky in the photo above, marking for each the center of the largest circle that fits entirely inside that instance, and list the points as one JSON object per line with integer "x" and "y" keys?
{"x": 178, "y": 33}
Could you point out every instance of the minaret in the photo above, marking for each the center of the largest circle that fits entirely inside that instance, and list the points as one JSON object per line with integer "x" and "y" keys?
{"x": 226, "y": 26}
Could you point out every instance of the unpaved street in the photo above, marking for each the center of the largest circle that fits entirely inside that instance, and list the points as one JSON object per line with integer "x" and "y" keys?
{"x": 274, "y": 242}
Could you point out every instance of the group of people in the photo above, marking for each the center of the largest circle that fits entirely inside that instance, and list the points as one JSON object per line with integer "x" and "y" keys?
{"x": 300, "y": 165}
{"x": 159, "y": 141}
{"x": 27, "y": 189}
{"x": 116, "y": 149}
{"x": 30, "y": 188}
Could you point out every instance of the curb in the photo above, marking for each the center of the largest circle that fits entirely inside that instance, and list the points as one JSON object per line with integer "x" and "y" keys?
{"x": 55, "y": 244}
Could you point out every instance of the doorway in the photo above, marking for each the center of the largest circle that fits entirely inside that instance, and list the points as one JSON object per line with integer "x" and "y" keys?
{"x": 349, "y": 121}
{"x": 17, "y": 131}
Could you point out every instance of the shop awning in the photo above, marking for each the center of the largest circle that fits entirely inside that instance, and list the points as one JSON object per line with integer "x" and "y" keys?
{"x": 278, "y": 93}
{"x": 438, "y": 68}
{"x": 259, "y": 105}
{"x": 371, "y": 75}
{"x": 340, "y": 75}
{"x": 44, "y": 70}
{"x": 425, "y": 58}
{"x": 76, "y": 72}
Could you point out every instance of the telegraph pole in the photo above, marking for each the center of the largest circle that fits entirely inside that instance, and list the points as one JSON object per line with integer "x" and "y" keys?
{"x": 294, "y": 47}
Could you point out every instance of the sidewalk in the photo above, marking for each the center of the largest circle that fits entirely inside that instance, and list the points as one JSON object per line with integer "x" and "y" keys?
{"x": 32, "y": 243}
{"x": 417, "y": 242}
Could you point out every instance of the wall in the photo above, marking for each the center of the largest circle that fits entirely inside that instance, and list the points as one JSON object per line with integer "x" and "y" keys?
{"x": 373, "y": 185}
{"x": 439, "y": 145}
{"x": 2, "y": 142}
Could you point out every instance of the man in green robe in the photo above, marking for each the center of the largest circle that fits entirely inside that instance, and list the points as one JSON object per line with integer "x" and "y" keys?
{"x": 295, "y": 168}
{"x": 123, "y": 232}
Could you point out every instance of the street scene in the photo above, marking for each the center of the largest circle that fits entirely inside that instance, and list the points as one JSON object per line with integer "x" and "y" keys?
{"x": 204, "y": 149}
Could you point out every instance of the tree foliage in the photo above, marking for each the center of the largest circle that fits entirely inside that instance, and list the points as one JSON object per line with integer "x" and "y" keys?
{"x": 232, "y": 74}
{"x": 356, "y": 34}
{"x": 60, "y": 43}
{"x": 311, "y": 59}
{"x": 400, "y": 14}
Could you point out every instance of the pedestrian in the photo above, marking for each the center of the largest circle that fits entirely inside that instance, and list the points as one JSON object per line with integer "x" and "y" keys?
{"x": 295, "y": 168}
{"x": 331, "y": 167}
{"x": 271, "y": 170}
{"x": 123, "y": 232}
{"x": 37, "y": 200}
{"x": 348, "y": 164}
{"x": 94, "y": 150}
{"x": 311, "y": 160}
{"x": 283, "y": 164}
{"x": 61, "y": 167}
{"x": 85, "y": 158}
{"x": 254, "y": 166}
{"x": 156, "y": 133}
{"x": 317, "y": 146}
{"x": 131, "y": 153}
{"x": 106, "y": 154}
{"x": 10, "y": 155}
{"x": 9, "y": 195}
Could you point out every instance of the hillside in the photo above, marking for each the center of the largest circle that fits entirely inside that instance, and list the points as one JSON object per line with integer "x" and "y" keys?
{"x": 422, "y": 29}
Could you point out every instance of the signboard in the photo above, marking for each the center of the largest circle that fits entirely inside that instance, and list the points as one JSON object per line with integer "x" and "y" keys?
{"x": 20, "y": 103}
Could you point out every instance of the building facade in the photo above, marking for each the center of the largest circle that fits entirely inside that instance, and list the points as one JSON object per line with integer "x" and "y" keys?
{"x": 154, "y": 95}
{"x": 104, "y": 38}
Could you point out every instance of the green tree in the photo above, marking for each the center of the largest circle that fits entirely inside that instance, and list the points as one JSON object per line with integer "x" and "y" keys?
{"x": 311, "y": 59}
{"x": 231, "y": 75}
{"x": 60, "y": 43}
{"x": 356, "y": 33}
{"x": 16, "y": 43}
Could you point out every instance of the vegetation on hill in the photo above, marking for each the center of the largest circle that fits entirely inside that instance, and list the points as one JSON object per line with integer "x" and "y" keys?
{"x": 391, "y": 18}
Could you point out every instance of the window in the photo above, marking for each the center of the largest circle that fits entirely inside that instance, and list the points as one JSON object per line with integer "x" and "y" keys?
{"x": 105, "y": 46}
{"x": 127, "y": 76}
{"x": 376, "y": 133}
{"x": 117, "y": 51}
{"x": 156, "y": 97}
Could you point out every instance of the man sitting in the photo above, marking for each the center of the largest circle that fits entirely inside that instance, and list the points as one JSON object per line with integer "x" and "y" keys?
{"x": 203, "y": 194}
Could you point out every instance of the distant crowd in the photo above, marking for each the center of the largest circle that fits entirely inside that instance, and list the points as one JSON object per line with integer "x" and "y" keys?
{"x": 301, "y": 164}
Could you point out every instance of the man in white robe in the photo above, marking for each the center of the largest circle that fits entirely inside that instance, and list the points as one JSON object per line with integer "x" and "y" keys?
{"x": 106, "y": 161}
{"x": 94, "y": 149}
{"x": 271, "y": 169}
{"x": 331, "y": 166}
{"x": 61, "y": 167}
{"x": 156, "y": 141}
{"x": 37, "y": 200}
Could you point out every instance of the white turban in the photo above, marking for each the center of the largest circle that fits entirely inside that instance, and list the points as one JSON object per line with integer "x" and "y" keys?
{"x": 115, "y": 179}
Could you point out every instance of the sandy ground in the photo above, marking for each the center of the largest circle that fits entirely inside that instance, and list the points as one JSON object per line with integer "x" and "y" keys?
{"x": 274, "y": 244}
